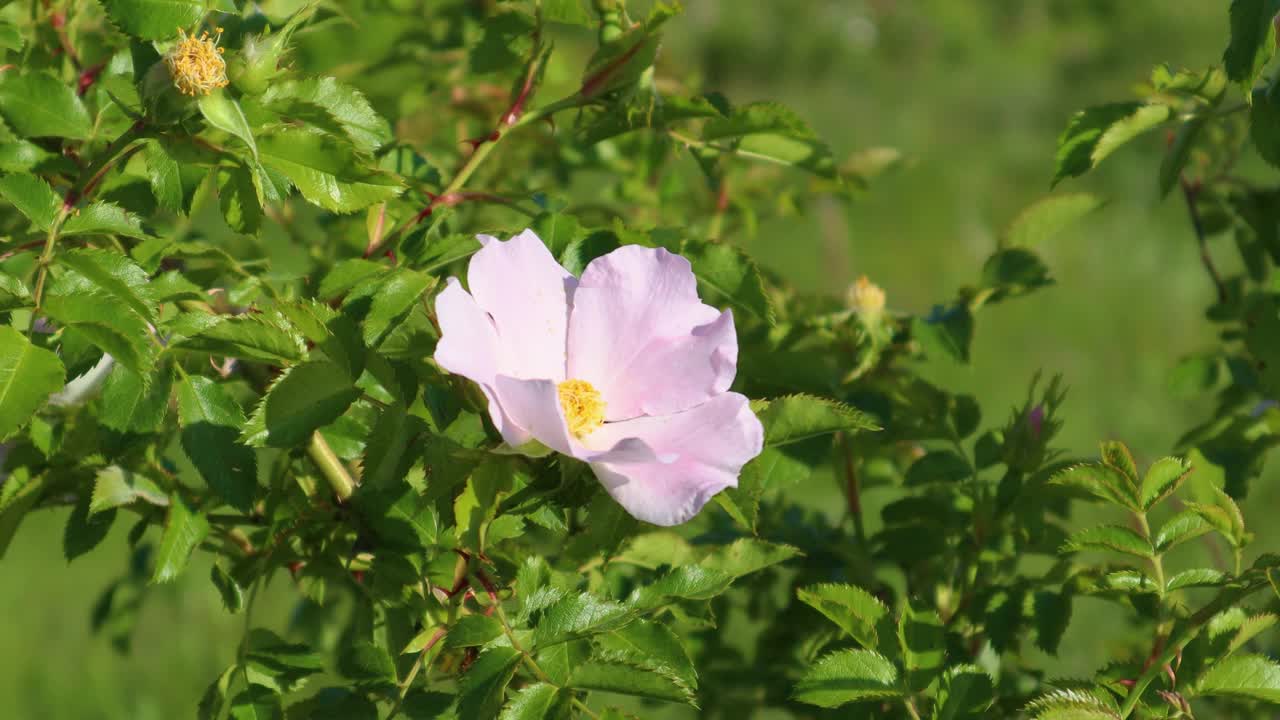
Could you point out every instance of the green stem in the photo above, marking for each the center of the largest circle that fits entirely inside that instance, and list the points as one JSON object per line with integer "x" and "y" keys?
{"x": 46, "y": 257}
{"x": 1157, "y": 563}
{"x": 331, "y": 467}
{"x": 583, "y": 707}
{"x": 413, "y": 671}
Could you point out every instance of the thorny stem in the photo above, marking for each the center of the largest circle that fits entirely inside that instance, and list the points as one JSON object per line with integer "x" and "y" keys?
{"x": 853, "y": 491}
{"x": 911, "y": 708}
{"x": 413, "y": 671}
{"x": 1157, "y": 564}
{"x": 1189, "y": 193}
{"x": 450, "y": 194}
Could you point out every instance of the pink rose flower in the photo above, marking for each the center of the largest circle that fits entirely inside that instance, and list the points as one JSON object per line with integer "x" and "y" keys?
{"x": 623, "y": 368}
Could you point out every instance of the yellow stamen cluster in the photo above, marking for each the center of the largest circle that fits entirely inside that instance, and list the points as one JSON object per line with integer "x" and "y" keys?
{"x": 196, "y": 63}
{"x": 583, "y": 406}
{"x": 866, "y": 297}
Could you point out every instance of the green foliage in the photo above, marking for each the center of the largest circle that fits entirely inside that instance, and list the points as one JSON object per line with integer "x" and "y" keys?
{"x": 218, "y": 320}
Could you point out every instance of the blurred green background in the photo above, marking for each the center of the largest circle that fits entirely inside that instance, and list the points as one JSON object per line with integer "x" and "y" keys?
{"x": 974, "y": 95}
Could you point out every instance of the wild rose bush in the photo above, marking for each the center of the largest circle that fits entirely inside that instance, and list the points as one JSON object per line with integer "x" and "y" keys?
{"x": 445, "y": 326}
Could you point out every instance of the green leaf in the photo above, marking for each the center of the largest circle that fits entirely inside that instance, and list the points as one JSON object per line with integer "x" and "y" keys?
{"x": 328, "y": 103}
{"x": 482, "y": 688}
{"x": 154, "y": 19}
{"x": 215, "y": 697}
{"x": 747, "y": 555}
{"x": 939, "y": 466}
{"x": 472, "y": 631}
{"x": 114, "y": 274}
{"x": 1047, "y": 217}
{"x": 1162, "y": 478}
{"x": 945, "y": 332}
{"x": 367, "y": 664}
{"x": 625, "y": 679}
{"x": 1196, "y": 577}
{"x": 265, "y": 337}
{"x": 394, "y": 297}
{"x": 1253, "y": 41}
{"x": 1116, "y": 454}
{"x": 1184, "y": 526}
{"x": 539, "y": 701}
{"x": 228, "y": 589}
{"x": 569, "y": 12}
{"x": 622, "y": 60}
{"x": 282, "y": 667}
{"x": 799, "y": 417}
{"x": 28, "y": 376}
{"x": 848, "y": 676}
{"x": 1251, "y": 677}
{"x": 1074, "y": 705}
{"x": 10, "y": 37}
{"x": 650, "y": 646}
{"x": 1109, "y": 537}
{"x": 326, "y": 171}
{"x": 13, "y": 294}
{"x": 257, "y": 703}
{"x": 924, "y": 646}
{"x": 966, "y": 692}
{"x": 1095, "y": 133}
{"x": 855, "y": 610}
{"x": 1052, "y": 611}
{"x": 577, "y": 616}
{"x": 223, "y": 112}
{"x": 305, "y": 398}
{"x": 1176, "y": 159}
{"x": 33, "y": 197}
{"x": 1101, "y": 481}
{"x": 115, "y": 487}
{"x": 105, "y": 320}
{"x": 771, "y": 131}
{"x": 1264, "y": 123}
{"x": 687, "y": 582}
{"x": 131, "y": 404}
{"x": 36, "y": 104}
{"x": 104, "y": 218}
{"x": 346, "y": 275}
{"x": 733, "y": 275}
{"x": 184, "y": 529}
{"x": 211, "y": 423}
{"x": 85, "y": 530}
{"x": 164, "y": 174}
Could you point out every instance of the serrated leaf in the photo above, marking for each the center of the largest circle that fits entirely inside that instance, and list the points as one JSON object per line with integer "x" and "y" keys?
{"x": 1253, "y": 41}
{"x": 36, "y": 104}
{"x": 165, "y": 176}
{"x": 733, "y": 275}
{"x": 367, "y": 664}
{"x": 326, "y": 171}
{"x": 687, "y": 582}
{"x": 154, "y": 19}
{"x": 966, "y": 691}
{"x": 483, "y": 686}
{"x": 855, "y": 610}
{"x": 1196, "y": 577}
{"x": 771, "y": 131}
{"x": 1131, "y": 581}
{"x": 184, "y": 529}
{"x": 1162, "y": 478}
{"x": 1072, "y": 705}
{"x": 799, "y": 417}
{"x": 621, "y": 60}
{"x": 577, "y": 616}
{"x": 262, "y": 337}
{"x": 472, "y": 631}
{"x": 328, "y": 103}
{"x": 228, "y": 589}
{"x": 1184, "y": 526}
{"x": 392, "y": 300}
{"x": 747, "y": 555}
{"x": 257, "y": 703}
{"x": 211, "y": 423}
{"x": 85, "y": 530}
{"x": 651, "y": 646}
{"x": 28, "y": 376}
{"x": 1052, "y": 613}
{"x": 1047, "y": 217}
{"x": 1101, "y": 481}
{"x": 105, "y": 320}
{"x": 304, "y": 399}
{"x": 1252, "y": 677}
{"x": 626, "y": 679}
{"x": 848, "y": 676}
{"x": 115, "y": 487}
{"x": 539, "y": 701}
{"x": 1094, "y": 133}
{"x": 114, "y": 274}
{"x": 939, "y": 466}
{"x": 13, "y": 294}
{"x": 922, "y": 640}
{"x": 1109, "y": 537}
{"x": 223, "y": 112}
{"x": 104, "y": 218}
{"x": 33, "y": 197}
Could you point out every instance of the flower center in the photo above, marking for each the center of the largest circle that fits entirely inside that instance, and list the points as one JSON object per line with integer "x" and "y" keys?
{"x": 583, "y": 406}
{"x": 196, "y": 64}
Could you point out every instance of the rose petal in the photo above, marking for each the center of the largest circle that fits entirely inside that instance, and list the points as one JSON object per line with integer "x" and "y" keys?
{"x": 527, "y": 294}
{"x": 699, "y": 452}
{"x": 534, "y": 406}
{"x": 469, "y": 347}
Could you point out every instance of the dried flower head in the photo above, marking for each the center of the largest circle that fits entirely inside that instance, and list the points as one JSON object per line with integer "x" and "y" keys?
{"x": 866, "y": 297}
{"x": 196, "y": 63}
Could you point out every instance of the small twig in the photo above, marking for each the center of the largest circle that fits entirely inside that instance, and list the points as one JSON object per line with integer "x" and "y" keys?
{"x": 853, "y": 490}
{"x": 331, "y": 467}
{"x": 1189, "y": 193}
